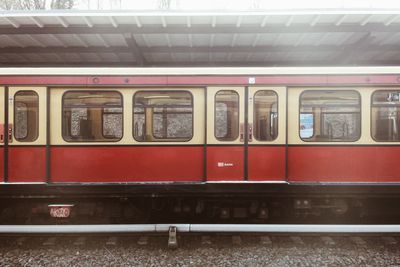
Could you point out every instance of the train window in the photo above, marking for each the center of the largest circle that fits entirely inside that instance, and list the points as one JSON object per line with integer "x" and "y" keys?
{"x": 330, "y": 116}
{"x": 385, "y": 116}
{"x": 160, "y": 116}
{"x": 92, "y": 116}
{"x": 226, "y": 115}
{"x": 26, "y": 116}
{"x": 265, "y": 115}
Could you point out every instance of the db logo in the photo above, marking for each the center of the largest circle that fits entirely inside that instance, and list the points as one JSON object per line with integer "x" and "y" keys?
{"x": 224, "y": 164}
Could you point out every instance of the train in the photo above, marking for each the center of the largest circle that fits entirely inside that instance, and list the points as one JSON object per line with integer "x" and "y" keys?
{"x": 117, "y": 145}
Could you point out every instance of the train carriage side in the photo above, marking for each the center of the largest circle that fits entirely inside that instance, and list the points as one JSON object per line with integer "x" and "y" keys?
{"x": 200, "y": 133}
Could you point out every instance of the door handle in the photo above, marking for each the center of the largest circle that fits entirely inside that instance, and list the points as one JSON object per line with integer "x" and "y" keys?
{"x": 10, "y": 130}
{"x": 250, "y": 131}
{"x": 241, "y": 132}
{"x": 1, "y": 133}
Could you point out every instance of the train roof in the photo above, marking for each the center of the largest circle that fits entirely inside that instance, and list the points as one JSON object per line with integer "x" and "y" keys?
{"x": 170, "y": 71}
{"x": 335, "y": 37}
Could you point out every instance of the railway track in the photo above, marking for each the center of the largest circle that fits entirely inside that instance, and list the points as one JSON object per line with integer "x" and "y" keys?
{"x": 202, "y": 239}
{"x": 355, "y": 232}
{"x": 200, "y": 249}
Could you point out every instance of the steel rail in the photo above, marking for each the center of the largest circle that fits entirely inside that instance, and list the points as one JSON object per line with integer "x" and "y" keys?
{"x": 198, "y": 228}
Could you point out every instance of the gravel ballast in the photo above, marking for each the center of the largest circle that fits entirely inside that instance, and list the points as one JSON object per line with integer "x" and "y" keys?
{"x": 221, "y": 252}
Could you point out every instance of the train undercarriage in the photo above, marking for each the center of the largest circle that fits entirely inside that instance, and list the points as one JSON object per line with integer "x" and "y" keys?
{"x": 209, "y": 203}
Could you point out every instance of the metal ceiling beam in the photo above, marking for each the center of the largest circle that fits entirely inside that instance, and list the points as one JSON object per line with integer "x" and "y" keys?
{"x": 199, "y": 29}
{"x": 135, "y": 49}
{"x": 348, "y": 49}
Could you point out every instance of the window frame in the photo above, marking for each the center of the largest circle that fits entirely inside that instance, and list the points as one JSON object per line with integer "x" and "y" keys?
{"x": 108, "y": 140}
{"x": 37, "y": 118}
{"x": 277, "y": 111}
{"x": 370, "y": 115}
{"x": 215, "y": 115}
{"x": 162, "y": 140}
{"x": 331, "y": 90}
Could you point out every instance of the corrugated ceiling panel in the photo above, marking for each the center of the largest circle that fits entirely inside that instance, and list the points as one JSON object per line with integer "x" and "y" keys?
{"x": 150, "y": 20}
{"x": 239, "y": 57}
{"x": 70, "y": 40}
{"x": 114, "y": 39}
{"x": 200, "y": 56}
{"x": 99, "y": 20}
{"x": 48, "y": 40}
{"x": 159, "y": 39}
{"x": 392, "y": 39}
{"x": 201, "y": 20}
{"x": 227, "y": 20}
{"x": 91, "y": 40}
{"x": 23, "y": 21}
{"x": 222, "y": 39}
{"x": 251, "y": 20}
{"x": 267, "y": 38}
{"x": 201, "y": 39}
{"x": 286, "y": 39}
{"x": 126, "y": 57}
{"x": 72, "y": 57}
{"x": 158, "y": 57}
{"x": 125, "y": 19}
{"x": 277, "y": 19}
{"x": 90, "y": 57}
{"x": 353, "y": 19}
{"x": 307, "y": 39}
{"x": 174, "y": 20}
{"x": 6, "y": 41}
{"x": 244, "y": 39}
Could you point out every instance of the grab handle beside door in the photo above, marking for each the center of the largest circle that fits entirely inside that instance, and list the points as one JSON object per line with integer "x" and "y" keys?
{"x": 1, "y": 133}
{"x": 10, "y": 131}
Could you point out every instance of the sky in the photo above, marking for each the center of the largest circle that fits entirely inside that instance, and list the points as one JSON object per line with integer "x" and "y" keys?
{"x": 239, "y": 4}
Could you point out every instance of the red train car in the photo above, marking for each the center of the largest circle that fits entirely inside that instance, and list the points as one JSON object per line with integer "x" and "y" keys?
{"x": 227, "y": 142}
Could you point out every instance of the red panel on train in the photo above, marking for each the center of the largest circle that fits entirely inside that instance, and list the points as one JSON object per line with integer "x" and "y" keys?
{"x": 344, "y": 164}
{"x": 266, "y": 163}
{"x": 26, "y": 164}
{"x": 127, "y": 164}
{"x": 1, "y": 164}
{"x": 225, "y": 163}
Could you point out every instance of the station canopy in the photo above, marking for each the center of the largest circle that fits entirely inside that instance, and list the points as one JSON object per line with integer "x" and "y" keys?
{"x": 162, "y": 39}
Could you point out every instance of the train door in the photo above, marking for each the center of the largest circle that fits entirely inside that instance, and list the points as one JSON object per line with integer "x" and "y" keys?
{"x": 225, "y": 133}
{"x": 266, "y": 137}
{"x": 26, "y": 134}
{"x": 246, "y": 134}
{"x": 2, "y": 133}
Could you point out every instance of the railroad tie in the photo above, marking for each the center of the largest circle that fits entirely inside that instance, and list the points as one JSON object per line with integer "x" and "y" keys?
{"x": 143, "y": 241}
{"x": 20, "y": 241}
{"x": 80, "y": 241}
{"x": 358, "y": 241}
{"x": 265, "y": 240}
{"x": 206, "y": 240}
{"x": 297, "y": 240}
{"x": 389, "y": 240}
{"x": 50, "y": 241}
{"x": 236, "y": 240}
{"x": 112, "y": 241}
{"x": 328, "y": 241}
